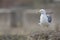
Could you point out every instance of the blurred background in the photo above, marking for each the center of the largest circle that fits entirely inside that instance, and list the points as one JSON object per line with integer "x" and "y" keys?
{"x": 21, "y": 17}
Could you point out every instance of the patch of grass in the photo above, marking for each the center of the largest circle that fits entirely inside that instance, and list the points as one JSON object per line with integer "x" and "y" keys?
{"x": 13, "y": 37}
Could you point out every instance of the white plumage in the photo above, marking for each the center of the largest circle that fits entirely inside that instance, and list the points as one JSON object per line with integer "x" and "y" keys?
{"x": 44, "y": 19}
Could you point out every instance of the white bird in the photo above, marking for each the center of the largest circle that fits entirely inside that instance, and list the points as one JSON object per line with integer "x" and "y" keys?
{"x": 45, "y": 19}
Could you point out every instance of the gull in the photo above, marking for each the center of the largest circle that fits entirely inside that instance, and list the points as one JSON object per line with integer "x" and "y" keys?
{"x": 45, "y": 19}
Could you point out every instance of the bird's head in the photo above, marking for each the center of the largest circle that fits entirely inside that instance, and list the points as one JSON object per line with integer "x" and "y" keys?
{"x": 42, "y": 11}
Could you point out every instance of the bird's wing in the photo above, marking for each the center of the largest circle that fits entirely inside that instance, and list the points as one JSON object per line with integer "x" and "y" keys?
{"x": 49, "y": 18}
